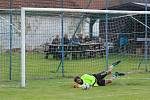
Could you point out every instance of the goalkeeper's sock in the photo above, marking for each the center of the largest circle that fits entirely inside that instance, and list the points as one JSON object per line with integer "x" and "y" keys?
{"x": 115, "y": 64}
{"x": 120, "y": 74}
{"x": 117, "y": 74}
{"x": 104, "y": 73}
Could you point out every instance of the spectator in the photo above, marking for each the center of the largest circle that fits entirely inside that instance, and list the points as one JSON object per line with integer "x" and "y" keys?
{"x": 75, "y": 40}
{"x": 101, "y": 40}
{"x": 56, "y": 40}
{"x": 87, "y": 38}
{"x": 66, "y": 39}
{"x": 80, "y": 36}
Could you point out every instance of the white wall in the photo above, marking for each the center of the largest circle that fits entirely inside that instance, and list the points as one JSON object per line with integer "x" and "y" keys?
{"x": 39, "y": 30}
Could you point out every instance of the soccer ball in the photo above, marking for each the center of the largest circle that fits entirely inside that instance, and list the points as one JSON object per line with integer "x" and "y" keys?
{"x": 85, "y": 86}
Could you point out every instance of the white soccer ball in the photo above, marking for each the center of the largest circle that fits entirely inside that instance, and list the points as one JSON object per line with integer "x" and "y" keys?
{"x": 85, "y": 86}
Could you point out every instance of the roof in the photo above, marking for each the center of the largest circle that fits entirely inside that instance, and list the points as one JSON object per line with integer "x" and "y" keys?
{"x": 131, "y": 6}
{"x": 96, "y": 4}
{"x": 6, "y": 3}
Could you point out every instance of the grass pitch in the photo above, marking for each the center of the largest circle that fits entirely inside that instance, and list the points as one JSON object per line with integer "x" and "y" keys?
{"x": 126, "y": 88}
{"x": 133, "y": 86}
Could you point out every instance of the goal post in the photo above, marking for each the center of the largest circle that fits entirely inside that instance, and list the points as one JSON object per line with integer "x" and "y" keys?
{"x": 23, "y": 79}
{"x": 90, "y": 11}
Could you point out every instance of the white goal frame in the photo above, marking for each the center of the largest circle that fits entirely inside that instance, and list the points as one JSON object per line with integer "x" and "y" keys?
{"x": 24, "y": 9}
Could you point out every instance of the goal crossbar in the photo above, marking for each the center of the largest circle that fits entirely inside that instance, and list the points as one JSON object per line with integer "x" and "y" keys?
{"x": 85, "y": 10}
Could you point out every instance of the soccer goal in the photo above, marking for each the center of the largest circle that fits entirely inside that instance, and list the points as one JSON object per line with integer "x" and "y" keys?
{"x": 68, "y": 42}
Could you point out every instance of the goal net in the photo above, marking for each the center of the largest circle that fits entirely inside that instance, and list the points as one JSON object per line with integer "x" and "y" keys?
{"x": 10, "y": 46}
{"x": 68, "y": 42}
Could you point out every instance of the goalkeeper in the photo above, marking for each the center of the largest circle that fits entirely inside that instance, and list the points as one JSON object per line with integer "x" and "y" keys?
{"x": 97, "y": 79}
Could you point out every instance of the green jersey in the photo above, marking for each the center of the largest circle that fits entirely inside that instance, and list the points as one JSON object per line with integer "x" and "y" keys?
{"x": 90, "y": 79}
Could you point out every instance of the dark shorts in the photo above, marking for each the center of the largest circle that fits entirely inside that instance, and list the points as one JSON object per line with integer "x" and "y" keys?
{"x": 100, "y": 78}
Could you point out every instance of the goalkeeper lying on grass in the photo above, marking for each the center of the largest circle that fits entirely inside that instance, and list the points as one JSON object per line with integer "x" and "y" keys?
{"x": 87, "y": 81}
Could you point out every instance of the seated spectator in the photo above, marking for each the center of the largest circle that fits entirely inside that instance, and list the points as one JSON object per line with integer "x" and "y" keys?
{"x": 80, "y": 36}
{"x": 101, "y": 40}
{"x": 87, "y": 38}
{"x": 75, "y": 40}
{"x": 56, "y": 40}
{"x": 66, "y": 39}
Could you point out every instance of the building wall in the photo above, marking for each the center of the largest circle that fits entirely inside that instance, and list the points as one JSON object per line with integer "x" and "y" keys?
{"x": 39, "y": 30}
{"x": 39, "y": 33}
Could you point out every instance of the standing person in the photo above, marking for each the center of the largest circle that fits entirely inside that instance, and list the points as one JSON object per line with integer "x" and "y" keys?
{"x": 96, "y": 79}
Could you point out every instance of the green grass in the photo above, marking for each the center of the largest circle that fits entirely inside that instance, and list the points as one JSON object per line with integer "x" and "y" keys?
{"x": 134, "y": 86}
{"x": 37, "y": 67}
{"x": 61, "y": 89}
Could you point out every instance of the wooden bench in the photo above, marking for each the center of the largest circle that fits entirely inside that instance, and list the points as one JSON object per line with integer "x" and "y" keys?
{"x": 94, "y": 53}
{"x": 73, "y": 51}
